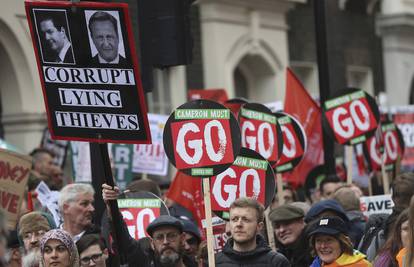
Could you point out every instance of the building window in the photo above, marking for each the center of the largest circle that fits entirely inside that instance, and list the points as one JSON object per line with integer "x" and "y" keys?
{"x": 159, "y": 101}
{"x": 307, "y": 73}
{"x": 361, "y": 78}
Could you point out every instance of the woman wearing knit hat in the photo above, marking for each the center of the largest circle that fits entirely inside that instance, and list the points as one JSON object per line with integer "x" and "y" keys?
{"x": 58, "y": 249}
{"x": 332, "y": 246}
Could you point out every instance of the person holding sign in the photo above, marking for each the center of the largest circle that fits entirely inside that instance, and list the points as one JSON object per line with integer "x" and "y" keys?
{"x": 103, "y": 28}
{"x": 246, "y": 247}
{"x": 166, "y": 237}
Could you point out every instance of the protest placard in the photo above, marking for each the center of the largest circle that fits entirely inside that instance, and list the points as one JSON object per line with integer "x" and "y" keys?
{"x": 138, "y": 210}
{"x": 294, "y": 142}
{"x": 151, "y": 159}
{"x": 14, "y": 174}
{"x": 92, "y": 91}
{"x": 376, "y": 204}
{"x": 260, "y": 131}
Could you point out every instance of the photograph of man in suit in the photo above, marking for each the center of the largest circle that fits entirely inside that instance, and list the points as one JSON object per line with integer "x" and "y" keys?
{"x": 103, "y": 28}
{"x": 56, "y": 46}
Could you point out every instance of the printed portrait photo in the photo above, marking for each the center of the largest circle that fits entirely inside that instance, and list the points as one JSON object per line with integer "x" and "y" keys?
{"x": 105, "y": 37}
{"x": 53, "y": 33}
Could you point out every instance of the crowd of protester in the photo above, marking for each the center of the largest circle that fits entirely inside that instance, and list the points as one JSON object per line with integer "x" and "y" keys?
{"x": 328, "y": 231}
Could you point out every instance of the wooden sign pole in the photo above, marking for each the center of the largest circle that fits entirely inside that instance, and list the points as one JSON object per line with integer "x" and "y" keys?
{"x": 209, "y": 225}
{"x": 270, "y": 230}
{"x": 279, "y": 183}
{"x": 349, "y": 156}
{"x": 385, "y": 178}
{"x": 370, "y": 183}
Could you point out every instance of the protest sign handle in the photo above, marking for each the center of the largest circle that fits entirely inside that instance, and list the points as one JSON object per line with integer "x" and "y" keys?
{"x": 207, "y": 207}
{"x": 349, "y": 157}
{"x": 116, "y": 216}
{"x": 370, "y": 185}
{"x": 279, "y": 183}
{"x": 385, "y": 178}
{"x": 269, "y": 229}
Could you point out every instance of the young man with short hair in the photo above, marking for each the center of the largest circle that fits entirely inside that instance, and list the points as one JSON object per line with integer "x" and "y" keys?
{"x": 92, "y": 251}
{"x": 246, "y": 246}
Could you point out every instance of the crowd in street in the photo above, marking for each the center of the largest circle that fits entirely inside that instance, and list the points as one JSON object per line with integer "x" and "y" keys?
{"x": 329, "y": 231}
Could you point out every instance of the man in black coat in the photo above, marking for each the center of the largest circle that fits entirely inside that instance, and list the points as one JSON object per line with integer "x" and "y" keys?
{"x": 164, "y": 247}
{"x": 289, "y": 229}
{"x": 246, "y": 247}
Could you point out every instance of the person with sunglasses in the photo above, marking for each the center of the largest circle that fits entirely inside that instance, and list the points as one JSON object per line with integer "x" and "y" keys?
{"x": 92, "y": 251}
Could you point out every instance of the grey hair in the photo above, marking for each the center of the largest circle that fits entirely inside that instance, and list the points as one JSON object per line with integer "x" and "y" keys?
{"x": 70, "y": 193}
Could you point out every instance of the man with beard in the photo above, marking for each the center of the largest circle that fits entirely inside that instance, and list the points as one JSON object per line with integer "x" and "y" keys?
{"x": 76, "y": 206}
{"x": 31, "y": 228}
{"x": 247, "y": 247}
{"x": 164, "y": 248}
{"x": 289, "y": 228}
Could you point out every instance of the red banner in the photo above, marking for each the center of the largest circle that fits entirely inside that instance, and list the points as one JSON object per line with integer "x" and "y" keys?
{"x": 187, "y": 191}
{"x": 299, "y": 104}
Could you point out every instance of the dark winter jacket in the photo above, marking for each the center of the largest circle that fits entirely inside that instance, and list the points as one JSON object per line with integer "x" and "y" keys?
{"x": 261, "y": 256}
{"x": 140, "y": 254}
{"x": 298, "y": 253}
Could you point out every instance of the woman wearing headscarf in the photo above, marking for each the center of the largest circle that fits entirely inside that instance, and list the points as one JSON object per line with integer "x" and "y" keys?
{"x": 58, "y": 249}
{"x": 332, "y": 246}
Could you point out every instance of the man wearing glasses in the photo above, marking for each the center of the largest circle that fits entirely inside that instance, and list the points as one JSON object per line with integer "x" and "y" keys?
{"x": 32, "y": 226}
{"x": 166, "y": 240}
{"x": 92, "y": 251}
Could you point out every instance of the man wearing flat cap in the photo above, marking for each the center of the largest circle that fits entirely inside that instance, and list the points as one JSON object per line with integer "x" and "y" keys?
{"x": 289, "y": 228}
{"x": 31, "y": 228}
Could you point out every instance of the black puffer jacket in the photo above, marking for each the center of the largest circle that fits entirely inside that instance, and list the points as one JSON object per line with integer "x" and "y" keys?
{"x": 261, "y": 256}
{"x": 297, "y": 253}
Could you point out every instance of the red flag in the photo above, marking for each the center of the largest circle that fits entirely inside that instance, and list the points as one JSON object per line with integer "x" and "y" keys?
{"x": 187, "y": 191}
{"x": 299, "y": 104}
{"x": 30, "y": 202}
